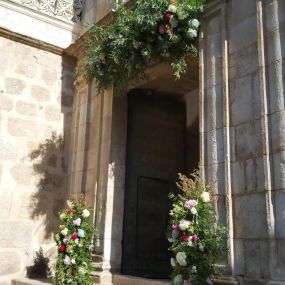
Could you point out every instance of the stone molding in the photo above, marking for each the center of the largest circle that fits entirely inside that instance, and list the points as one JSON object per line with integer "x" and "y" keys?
{"x": 32, "y": 23}
{"x": 67, "y": 10}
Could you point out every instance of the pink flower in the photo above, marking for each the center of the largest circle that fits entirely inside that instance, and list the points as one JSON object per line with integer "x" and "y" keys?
{"x": 195, "y": 238}
{"x": 67, "y": 260}
{"x": 77, "y": 222}
{"x": 162, "y": 29}
{"x": 66, "y": 239}
{"x": 176, "y": 228}
{"x": 190, "y": 204}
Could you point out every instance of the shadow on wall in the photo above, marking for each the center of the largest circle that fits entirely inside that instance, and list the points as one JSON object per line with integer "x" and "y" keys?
{"x": 49, "y": 165}
{"x": 40, "y": 269}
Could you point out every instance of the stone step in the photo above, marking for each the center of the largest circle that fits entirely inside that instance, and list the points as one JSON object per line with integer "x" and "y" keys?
{"x": 131, "y": 280}
{"x": 27, "y": 281}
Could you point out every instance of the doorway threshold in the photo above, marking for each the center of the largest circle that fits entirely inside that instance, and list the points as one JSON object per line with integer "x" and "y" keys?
{"x": 132, "y": 280}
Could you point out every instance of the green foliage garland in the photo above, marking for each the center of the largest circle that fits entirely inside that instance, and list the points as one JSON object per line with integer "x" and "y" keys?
{"x": 154, "y": 30}
{"x": 196, "y": 241}
{"x": 74, "y": 242}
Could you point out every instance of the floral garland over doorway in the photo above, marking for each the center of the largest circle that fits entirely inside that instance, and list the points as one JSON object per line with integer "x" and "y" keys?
{"x": 153, "y": 31}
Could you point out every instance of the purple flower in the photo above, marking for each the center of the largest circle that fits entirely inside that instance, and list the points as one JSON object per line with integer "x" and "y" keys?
{"x": 190, "y": 204}
{"x": 162, "y": 29}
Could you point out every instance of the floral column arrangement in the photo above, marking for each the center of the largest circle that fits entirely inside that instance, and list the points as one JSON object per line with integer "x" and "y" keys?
{"x": 75, "y": 243}
{"x": 196, "y": 241}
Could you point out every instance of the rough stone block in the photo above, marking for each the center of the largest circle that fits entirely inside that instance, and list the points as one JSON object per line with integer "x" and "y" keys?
{"x": 239, "y": 257}
{"x": 49, "y": 76}
{"x": 215, "y": 107}
{"x": 22, "y": 128}
{"x": 12, "y": 229}
{"x": 277, "y": 124}
{"x": 26, "y": 108}
{"x": 280, "y": 214}
{"x": 41, "y": 94}
{"x": 248, "y": 140}
{"x": 27, "y": 69}
{"x": 250, "y": 216}
{"x": 276, "y": 80}
{"x": 216, "y": 178}
{"x": 14, "y": 86}
{"x": 279, "y": 170}
{"x": 241, "y": 100}
{"x": 238, "y": 38}
{"x": 21, "y": 174}
{"x": 215, "y": 146}
{"x": 6, "y": 103}
{"x": 52, "y": 113}
{"x": 252, "y": 259}
{"x": 10, "y": 263}
{"x": 238, "y": 177}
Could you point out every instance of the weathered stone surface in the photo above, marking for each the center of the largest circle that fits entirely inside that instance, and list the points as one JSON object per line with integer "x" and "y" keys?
{"x": 9, "y": 262}
{"x": 6, "y": 103}
{"x": 21, "y": 174}
{"x": 215, "y": 146}
{"x": 280, "y": 214}
{"x": 16, "y": 234}
{"x": 41, "y": 94}
{"x": 26, "y": 108}
{"x": 14, "y": 86}
{"x": 252, "y": 259}
{"x": 241, "y": 100}
{"x": 250, "y": 216}
{"x": 248, "y": 140}
{"x": 7, "y": 150}
{"x": 22, "y": 128}
{"x": 49, "y": 76}
{"x": 27, "y": 69}
{"x": 52, "y": 113}
{"x": 279, "y": 170}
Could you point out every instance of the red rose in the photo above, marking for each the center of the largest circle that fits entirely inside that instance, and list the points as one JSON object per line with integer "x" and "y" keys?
{"x": 69, "y": 211}
{"x": 185, "y": 237}
{"x": 62, "y": 248}
{"x": 74, "y": 236}
{"x": 73, "y": 273}
{"x": 167, "y": 17}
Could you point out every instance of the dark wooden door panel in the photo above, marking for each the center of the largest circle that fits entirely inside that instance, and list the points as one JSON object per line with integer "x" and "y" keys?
{"x": 155, "y": 154}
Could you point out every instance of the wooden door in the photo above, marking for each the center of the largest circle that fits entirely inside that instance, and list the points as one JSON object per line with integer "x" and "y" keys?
{"x": 155, "y": 154}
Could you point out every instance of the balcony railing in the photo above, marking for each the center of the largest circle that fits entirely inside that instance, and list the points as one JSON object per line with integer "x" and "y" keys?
{"x": 67, "y": 10}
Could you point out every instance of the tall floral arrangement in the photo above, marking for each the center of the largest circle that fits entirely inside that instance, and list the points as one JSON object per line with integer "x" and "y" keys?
{"x": 196, "y": 241}
{"x": 153, "y": 30}
{"x": 74, "y": 243}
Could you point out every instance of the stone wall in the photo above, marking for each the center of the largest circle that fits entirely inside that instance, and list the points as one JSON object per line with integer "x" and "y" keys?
{"x": 36, "y": 96}
{"x": 242, "y": 122}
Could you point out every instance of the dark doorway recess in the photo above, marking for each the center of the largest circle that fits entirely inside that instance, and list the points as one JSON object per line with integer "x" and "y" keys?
{"x": 155, "y": 154}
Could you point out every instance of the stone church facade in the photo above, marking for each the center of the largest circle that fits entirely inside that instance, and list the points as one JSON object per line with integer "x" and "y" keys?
{"x": 59, "y": 137}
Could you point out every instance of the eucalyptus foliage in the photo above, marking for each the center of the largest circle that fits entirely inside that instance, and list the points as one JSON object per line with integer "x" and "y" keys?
{"x": 196, "y": 241}
{"x": 74, "y": 242}
{"x": 154, "y": 30}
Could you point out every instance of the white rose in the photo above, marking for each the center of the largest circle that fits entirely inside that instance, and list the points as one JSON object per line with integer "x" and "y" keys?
{"x": 172, "y": 8}
{"x": 193, "y": 211}
{"x": 85, "y": 213}
{"x": 205, "y": 197}
{"x": 190, "y": 242}
{"x": 173, "y": 262}
{"x": 191, "y": 33}
{"x": 181, "y": 258}
{"x": 194, "y": 23}
{"x": 73, "y": 261}
{"x": 178, "y": 280}
{"x": 184, "y": 225}
{"x": 62, "y": 216}
{"x": 194, "y": 269}
{"x": 64, "y": 232}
